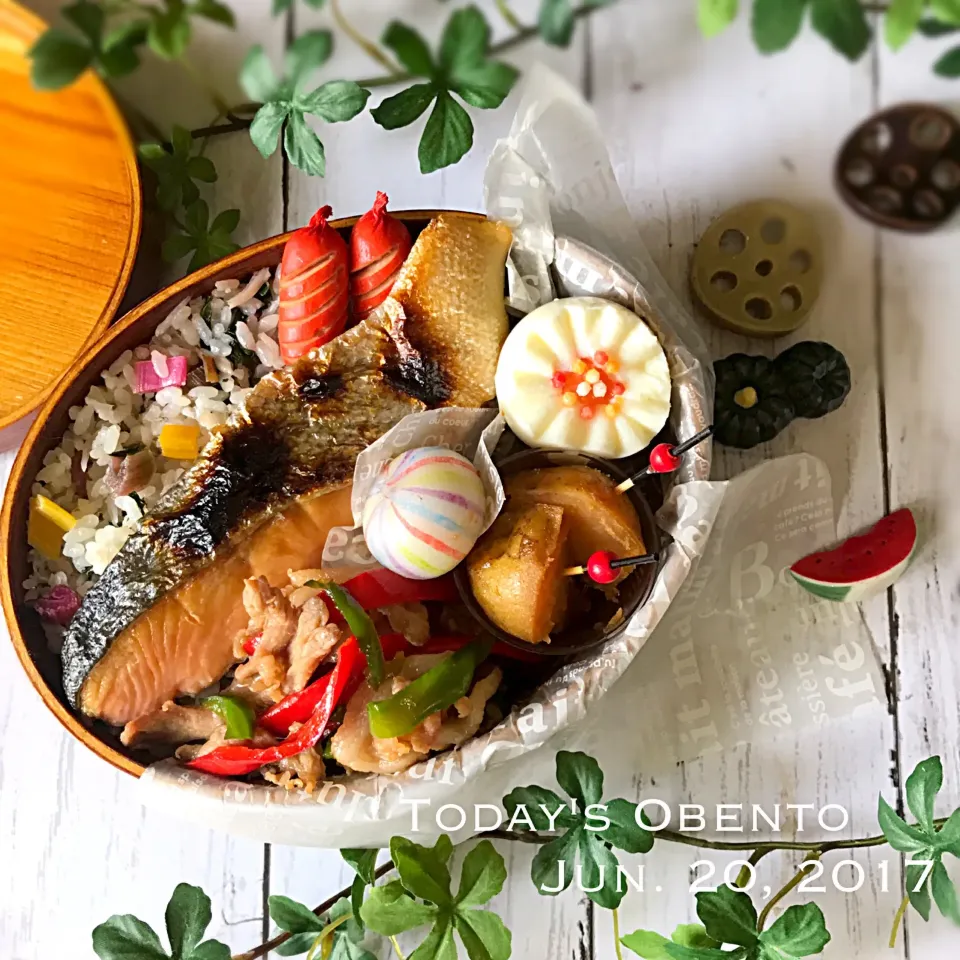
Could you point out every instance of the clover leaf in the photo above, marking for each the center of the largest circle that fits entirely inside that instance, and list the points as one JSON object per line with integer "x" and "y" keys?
{"x": 336, "y": 933}
{"x": 926, "y": 879}
{"x": 461, "y": 67}
{"x": 728, "y": 916}
{"x": 207, "y": 241}
{"x": 423, "y": 896}
{"x": 776, "y": 23}
{"x": 177, "y": 168}
{"x": 585, "y": 840}
{"x": 715, "y": 16}
{"x": 59, "y": 56}
{"x": 688, "y": 940}
{"x": 949, "y": 64}
{"x": 364, "y": 863}
{"x": 946, "y": 11}
{"x": 901, "y": 21}
{"x": 936, "y": 28}
{"x": 286, "y": 103}
{"x": 125, "y": 937}
{"x": 555, "y": 21}
{"x": 843, "y": 23}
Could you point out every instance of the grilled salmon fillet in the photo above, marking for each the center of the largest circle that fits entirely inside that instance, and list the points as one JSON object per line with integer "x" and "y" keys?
{"x": 162, "y": 619}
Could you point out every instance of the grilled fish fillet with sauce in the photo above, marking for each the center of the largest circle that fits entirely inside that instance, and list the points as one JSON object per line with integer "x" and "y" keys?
{"x": 162, "y": 620}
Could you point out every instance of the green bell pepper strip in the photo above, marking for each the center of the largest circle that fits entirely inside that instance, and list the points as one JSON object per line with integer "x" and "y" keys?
{"x": 360, "y": 625}
{"x": 237, "y": 715}
{"x": 437, "y": 689}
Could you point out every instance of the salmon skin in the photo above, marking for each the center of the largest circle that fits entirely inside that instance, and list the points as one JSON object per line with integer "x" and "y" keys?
{"x": 162, "y": 619}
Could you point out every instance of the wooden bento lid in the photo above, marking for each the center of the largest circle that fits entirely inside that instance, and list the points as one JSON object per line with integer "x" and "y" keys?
{"x": 69, "y": 220}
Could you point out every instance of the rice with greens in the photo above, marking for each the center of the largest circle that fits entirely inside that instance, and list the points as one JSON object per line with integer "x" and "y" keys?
{"x": 229, "y": 340}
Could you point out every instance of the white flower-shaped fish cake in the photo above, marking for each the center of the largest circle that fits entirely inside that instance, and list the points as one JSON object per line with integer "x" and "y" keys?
{"x": 584, "y": 374}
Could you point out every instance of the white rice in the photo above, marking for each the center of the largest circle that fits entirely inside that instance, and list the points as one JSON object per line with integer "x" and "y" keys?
{"x": 114, "y": 416}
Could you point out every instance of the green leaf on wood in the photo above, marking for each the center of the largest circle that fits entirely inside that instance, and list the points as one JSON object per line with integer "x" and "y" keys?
{"x": 170, "y": 31}
{"x": 776, "y": 23}
{"x": 934, "y": 28}
{"x": 215, "y": 11}
{"x": 728, "y": 916}
{"x": 555, "y": 22}
{"x": 302, "y": 145}
{"x": 57, "y": 58}
{"x": 447, "y": 136}
{"x": 900, "y": 835}
{"x": 946, "y": 11}
{"x": 462, "y": 67}
{"x": 308, "y": 52}
{"x": 187, "y": 917}
{"x": 922, "y": 788}
{"x": 580, "y": 776}
{"x": 425, "y": 876}
{"x": 944, "y": 892}
{"x": 800, "y": 931}
{"x": 714, "y": 16}
{"x": 901, "y": 21}
{"x": 409, "y": 47}
{"x": 624, "y": 832}
{"x": 125, "y": 937}
{"x": 844, "y": 24}
{"x": 949, "y": 64}
{"x": 918, "y": 888}
{"x": 207, "y": 241}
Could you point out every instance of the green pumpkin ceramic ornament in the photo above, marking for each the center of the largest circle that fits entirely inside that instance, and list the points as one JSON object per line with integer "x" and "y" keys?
{"x": 817, "y": 377}
{"x": 757, "y": 397}
{"x": 752, "y": 403}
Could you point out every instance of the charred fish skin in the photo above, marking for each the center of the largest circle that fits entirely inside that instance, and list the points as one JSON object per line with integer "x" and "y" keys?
{"x": 247, "y": 473}
{"x": 301, "y": 430}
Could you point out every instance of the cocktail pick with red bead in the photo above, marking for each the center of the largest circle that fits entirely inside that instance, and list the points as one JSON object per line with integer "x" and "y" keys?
{"x": 604, "y": 566}
{"x": 665, "y": 459}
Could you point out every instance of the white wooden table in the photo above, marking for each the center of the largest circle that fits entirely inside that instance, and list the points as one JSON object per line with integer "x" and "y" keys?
{"x": 693, "y": 127}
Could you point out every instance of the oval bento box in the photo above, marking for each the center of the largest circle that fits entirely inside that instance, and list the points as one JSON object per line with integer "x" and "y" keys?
{"x": 41, "y": 664}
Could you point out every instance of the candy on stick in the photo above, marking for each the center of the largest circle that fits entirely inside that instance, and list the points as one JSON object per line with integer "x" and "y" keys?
{"x": 665, "y": 458}
{"x": 604, "y": 566}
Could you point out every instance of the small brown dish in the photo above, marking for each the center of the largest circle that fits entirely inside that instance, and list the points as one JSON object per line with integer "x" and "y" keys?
{"x": 635, "y": 590}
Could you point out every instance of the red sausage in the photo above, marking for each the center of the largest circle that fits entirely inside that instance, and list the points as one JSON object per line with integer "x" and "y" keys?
{"x": 379, "y": 243}
{"x": 314, "y": 288}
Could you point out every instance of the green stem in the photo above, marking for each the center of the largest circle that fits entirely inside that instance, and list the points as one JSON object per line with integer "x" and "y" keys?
{"x": 743, "y": 877}
{"x": 275, "y": 942}
{"x": 503, "y": 6}
{"x": 324, "y": 933}
{"x": 785, "y": 890}
{"x": 396, "y": 948}
{"x": 897, "y": 920}
{"x": 759, "y": 850}
{"x": 616, "y": 933}
{"x": 370, "y": 48}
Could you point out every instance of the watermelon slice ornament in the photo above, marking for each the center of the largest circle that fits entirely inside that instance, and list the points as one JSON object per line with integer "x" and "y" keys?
{"x": 863, "y": 565}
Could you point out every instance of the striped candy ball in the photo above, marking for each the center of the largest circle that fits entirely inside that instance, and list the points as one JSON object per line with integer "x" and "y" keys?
{"x": 424, "y": 513}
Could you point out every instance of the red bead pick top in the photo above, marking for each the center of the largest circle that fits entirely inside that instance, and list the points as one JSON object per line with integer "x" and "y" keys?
{"x": 599, "y": 569}
{"x": 663, "y": 459}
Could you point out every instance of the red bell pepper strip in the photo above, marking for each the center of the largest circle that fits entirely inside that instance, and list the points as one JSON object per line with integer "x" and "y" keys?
{"x": 299, "y": 706}
{"x": 235, "y": 760}
{"x": 383, "y": 588}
